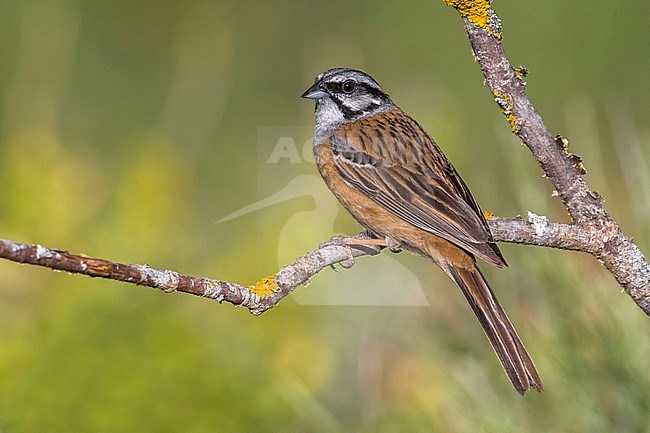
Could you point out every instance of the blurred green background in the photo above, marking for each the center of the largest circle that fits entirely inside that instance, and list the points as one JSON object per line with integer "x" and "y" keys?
{"x": 128, "y": 128}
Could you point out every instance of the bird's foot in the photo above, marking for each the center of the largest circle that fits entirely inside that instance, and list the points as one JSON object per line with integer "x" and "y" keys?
{"x": 345, "y": 242}
{"x": 363, "y": 239}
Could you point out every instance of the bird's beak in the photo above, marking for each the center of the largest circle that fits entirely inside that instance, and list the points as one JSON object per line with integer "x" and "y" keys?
{"x": 314, "y": 92}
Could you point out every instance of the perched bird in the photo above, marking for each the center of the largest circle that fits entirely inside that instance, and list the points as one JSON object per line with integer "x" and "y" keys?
{"x": 396, "y": 182}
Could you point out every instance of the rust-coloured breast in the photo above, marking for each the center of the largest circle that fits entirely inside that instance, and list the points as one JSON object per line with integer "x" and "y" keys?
{"x": 368, "y": 213}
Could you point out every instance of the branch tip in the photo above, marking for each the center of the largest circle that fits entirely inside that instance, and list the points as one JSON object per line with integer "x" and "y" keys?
{"x": 479, "y": 13}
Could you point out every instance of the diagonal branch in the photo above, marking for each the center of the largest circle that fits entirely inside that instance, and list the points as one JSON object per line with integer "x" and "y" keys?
{"x": 604, "y": 240}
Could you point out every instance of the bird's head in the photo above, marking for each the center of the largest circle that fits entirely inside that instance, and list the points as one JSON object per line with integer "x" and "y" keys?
{"x": 345, "y": 95}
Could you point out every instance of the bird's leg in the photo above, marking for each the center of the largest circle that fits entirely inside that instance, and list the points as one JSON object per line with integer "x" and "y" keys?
{"x": 393, "y": 245}
{"x": 369, "y": 238}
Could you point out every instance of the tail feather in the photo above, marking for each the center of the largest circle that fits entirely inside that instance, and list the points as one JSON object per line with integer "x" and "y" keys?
{"x": 502, "y": 335}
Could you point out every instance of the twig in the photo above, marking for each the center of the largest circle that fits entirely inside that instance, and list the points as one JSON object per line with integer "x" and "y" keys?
{"x": 537, "y": 230}
{"x": 257, "y": 298}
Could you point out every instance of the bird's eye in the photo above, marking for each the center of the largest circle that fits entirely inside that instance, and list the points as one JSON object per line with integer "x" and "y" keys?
{"x": 348, "y": 86}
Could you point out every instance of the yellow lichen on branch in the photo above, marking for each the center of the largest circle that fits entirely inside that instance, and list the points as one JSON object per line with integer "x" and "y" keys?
{"x": 503, "y": 99}
{"x": 264, "y": 287}
{"x": 478, "y": 13}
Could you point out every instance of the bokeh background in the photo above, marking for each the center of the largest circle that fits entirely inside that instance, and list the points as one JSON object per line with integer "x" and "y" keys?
{"x": 128, "y": 128}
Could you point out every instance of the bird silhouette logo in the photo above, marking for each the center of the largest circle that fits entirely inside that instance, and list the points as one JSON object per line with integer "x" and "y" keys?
{"x": 382, "y": 280}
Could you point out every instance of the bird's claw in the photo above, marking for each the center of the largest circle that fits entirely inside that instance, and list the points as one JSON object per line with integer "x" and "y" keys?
{"x": 393, "y": 245}
{"x": 350, "y": 261}
{"x": 344, "y": 242}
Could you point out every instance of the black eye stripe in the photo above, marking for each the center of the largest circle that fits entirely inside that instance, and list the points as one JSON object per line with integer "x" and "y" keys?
{"x": 372, "y": 90}
{"x": 336, "y": 87}
{"x": 362, "y": 99}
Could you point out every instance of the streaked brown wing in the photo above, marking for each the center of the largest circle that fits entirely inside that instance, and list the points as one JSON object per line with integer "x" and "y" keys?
{"x": 407, "y": 174}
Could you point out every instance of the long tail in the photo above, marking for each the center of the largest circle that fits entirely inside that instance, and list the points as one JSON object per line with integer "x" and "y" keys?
{"x": 502, "y": 335}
